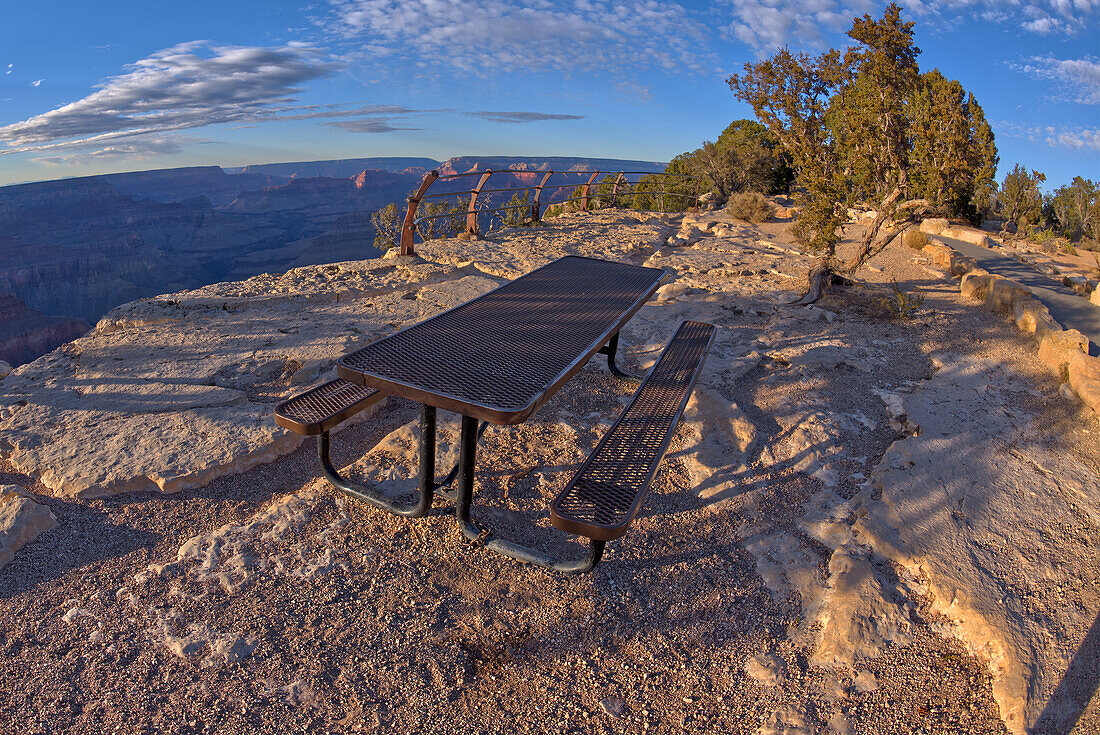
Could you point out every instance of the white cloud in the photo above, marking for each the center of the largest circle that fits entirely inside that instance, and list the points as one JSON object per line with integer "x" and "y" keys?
{"x": 9, "y": 69}
{"x": 37, "y": 82}
{"x": 768, "y": 24}
{"x": 186, "y": 86}
{"x": 1080, "y": 76}
{"x": 498, "y": 36}
{"x": 133, "y": 150}
{"x": 1076, "y": 137}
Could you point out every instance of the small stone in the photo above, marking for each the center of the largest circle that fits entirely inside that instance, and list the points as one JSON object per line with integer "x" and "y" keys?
{"x": 612, "y": 706}
{"x": 865, "y": 682}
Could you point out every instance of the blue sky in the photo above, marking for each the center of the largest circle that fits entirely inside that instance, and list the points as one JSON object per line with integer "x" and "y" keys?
{"x": 89, "y": 88}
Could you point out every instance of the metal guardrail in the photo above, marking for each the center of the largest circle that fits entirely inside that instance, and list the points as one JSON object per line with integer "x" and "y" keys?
{"x": 409, "y": 225}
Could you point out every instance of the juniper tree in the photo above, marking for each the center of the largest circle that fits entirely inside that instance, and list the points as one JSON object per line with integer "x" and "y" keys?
{"x": 856, "y": 127}
{"x": 1020, "y": 201}
{"x": 746, "y": 157}
{"x": 387, "y": 227}
{"x": 954, "y": 158}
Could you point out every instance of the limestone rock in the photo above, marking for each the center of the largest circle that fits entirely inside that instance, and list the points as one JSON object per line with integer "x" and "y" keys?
{"x": 933, "y": 226}
{"x": 1095, "y": 298}
{"x": 1057, "y": 349}
{"x": 967, "y": 533}
{"x": 1084, "y": 377}
{"x": 1004, "y": 294}
{"x": 21, "y": 521}
{"x": 172, "y": 392}
{"x": 977, "y": 286}
{"x": 859, "y": 617}
{"x": 767, "y": 670}
{"x": 5, "y": 369}
{"x": 1033, "y": 318}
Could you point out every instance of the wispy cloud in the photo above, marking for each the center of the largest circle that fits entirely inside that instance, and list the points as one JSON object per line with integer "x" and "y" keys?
{"x": 37, "y": 82}
{"x": 521, "y": 117}
{"x": 1080, "y": 76}
{"x": 369, "y": 125}
{"x": 493, "y": 36}
{"x": 9, "y": 69}
{"x": 133, "y": 150}
{"x": 186, "y": 86}
{"x": 768, "y": 24}
{"x": 1075, "y": 137}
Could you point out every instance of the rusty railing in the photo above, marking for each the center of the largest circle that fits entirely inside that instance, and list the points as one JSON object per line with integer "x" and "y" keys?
{"x": 621, "y": 186}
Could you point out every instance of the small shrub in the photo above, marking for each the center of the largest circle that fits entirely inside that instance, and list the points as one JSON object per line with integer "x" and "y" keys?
{"x": 750, "y": 206}
{"x": 520, "y": 216}
{"x": 1067, "y": 247}
{"x": 914, "y": 239}
{"x": 899, "y": 303}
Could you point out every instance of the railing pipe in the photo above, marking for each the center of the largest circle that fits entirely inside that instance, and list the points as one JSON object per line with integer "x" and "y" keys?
{"x": 410, "y": 213}
{"x": 615, "y": 189}
{"x": 471, "y": 213}
{"x": 588, "y": 190}
{"x": 536, "y": 211}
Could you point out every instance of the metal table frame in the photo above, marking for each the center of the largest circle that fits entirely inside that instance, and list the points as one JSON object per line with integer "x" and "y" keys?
{"x": 606, "y": 343}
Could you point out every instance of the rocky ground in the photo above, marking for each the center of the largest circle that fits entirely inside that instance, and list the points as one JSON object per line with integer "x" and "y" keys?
{"x": 866, "y": 524}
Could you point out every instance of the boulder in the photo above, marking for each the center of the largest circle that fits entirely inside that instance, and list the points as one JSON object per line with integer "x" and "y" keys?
{"x": 21, "y": 520}
{"x": 5, "y": 369}
{"x": 933, "y": 226}
{"x": 1058, "y": 349}
{"x": 967, "y": 234}
{"x": 1004, "y": 294}
{"x": 1095, "y": 298}
{"x": 977, "y": 284}
{"x": 1084, "y": 378}
{"x": 1033, "y": 318}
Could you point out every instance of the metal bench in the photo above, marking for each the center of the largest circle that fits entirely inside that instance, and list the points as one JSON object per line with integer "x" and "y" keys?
{"x": 606, "y": 493}
{"x": 317, "y": 411}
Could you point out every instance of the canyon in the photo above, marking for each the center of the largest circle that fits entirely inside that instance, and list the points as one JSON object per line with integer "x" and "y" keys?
{"x": 72, "y": 249}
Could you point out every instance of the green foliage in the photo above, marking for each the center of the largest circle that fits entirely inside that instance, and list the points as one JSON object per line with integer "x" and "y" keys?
{"x": 898, "y": 303}
{"x": 750, "y": 206}
{"x": 914, "y": 239}
{"x": 387, "y": 227}
{"x": 1019, "y": 200}
{"x": 1074, "y": 210}
{"x": 649, "y": 192}
{"x": 954, "y": 158}
{"x": 865, "y": 127}
{"x": 452, "y": 223}
{"x": 519, "y": 214}
{"x": 746, "y": 157}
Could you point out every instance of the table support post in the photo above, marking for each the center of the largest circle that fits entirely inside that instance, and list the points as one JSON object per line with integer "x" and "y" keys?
{"x": 467, "y": 456}
{"x": 427, "y": 472}
{"x": 610, "y": 349}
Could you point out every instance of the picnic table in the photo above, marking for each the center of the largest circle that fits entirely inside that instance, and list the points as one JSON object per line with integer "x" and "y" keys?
{"x": 497, "y": 359}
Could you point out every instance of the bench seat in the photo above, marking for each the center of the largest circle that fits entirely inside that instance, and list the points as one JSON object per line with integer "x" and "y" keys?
{"x": 320, "y": 409}
{"x": 606, "y": 493}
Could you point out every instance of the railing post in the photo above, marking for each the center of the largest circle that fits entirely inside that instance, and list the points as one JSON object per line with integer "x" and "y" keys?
{"x": 410, "y": 213}
{"x": 588, "y": 190}
{"x": 471, "y": 213}
{"x": 615, "y": 189}
{"x": 536, "y": 208}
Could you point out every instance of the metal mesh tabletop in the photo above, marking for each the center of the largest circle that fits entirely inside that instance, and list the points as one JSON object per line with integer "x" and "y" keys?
{"x": 500, "y": 356}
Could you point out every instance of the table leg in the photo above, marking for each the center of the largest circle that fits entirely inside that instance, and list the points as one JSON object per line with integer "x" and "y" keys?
{"x": 427, "y": 472}
{"x": 467, "y": 460}
{"x": 611, "y": 349}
